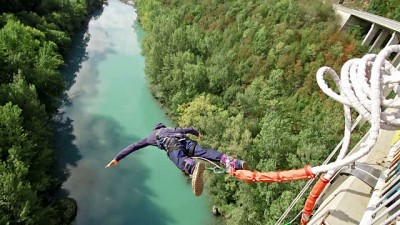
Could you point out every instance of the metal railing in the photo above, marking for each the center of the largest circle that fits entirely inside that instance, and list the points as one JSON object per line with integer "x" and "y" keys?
{"x": 384, "y": 205}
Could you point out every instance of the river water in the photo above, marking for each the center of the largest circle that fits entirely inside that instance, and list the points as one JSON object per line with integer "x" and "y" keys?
{"x": 107, "y": 107}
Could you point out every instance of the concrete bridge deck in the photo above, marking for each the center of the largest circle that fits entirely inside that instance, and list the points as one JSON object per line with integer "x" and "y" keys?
{"x": 346, "y": 200}
{"x": 379, "y": 20}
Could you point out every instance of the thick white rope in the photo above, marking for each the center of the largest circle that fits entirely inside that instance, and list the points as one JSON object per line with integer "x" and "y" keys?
{"x": 358, "y": 78}
{"x": 309, "y": 182}
{"x": 362, "y": 86}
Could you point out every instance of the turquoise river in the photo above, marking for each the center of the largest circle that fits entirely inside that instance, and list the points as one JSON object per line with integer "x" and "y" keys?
{"x": 108, "y": 106}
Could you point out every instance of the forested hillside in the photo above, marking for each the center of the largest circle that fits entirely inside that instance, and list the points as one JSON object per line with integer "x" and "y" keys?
{"x": 389, "y": 9}
{"x": 34, "y": 37}
{"x": 243, "y": 72}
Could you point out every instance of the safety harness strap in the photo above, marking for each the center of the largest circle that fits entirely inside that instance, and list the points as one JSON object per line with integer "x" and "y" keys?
{"x": 171, "y": 143}
{"x": 191, "y": 149}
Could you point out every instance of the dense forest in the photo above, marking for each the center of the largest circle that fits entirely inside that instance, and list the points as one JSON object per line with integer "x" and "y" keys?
{"x": 389, "y": 9}
{"x": 243, "y": 72}
{"x": 35, "y": 36}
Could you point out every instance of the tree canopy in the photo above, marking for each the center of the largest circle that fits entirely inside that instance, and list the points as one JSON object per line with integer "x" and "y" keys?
{"x": 34, "y": 37}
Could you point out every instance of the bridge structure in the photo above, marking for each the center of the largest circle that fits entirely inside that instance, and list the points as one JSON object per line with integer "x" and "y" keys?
{"x": 379, "y": 31}
{"x": 368, "y": 191}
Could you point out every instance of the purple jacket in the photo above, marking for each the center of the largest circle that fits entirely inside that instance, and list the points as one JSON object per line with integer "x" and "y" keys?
{"x": 151, "y": 139}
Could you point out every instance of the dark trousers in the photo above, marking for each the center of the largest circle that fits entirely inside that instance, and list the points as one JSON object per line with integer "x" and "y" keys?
{"x": 185, "y": 163}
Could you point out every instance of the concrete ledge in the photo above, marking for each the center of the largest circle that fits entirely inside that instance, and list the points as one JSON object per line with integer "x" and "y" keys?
{"x": 345, "y": 201}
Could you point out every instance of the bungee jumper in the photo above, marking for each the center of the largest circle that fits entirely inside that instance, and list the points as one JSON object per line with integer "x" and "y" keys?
{"x": 182, "y": 150}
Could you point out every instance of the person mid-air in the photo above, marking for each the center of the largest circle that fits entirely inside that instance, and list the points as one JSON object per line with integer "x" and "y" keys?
{"x": 180, "y": 150}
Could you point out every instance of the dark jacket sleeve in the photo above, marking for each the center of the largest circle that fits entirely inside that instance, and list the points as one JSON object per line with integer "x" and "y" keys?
{"x": 133, "y": 147}
{"x": 187, "y": 130}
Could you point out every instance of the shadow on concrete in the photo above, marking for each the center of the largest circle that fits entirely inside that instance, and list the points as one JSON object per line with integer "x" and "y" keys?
{"x": 342, "y": 216}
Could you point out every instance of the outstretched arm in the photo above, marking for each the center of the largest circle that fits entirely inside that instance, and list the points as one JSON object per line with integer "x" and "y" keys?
{"x": 128, "y": 150}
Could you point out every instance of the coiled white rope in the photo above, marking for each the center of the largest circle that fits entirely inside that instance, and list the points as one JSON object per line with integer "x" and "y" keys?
{"x": 362, "y": 84}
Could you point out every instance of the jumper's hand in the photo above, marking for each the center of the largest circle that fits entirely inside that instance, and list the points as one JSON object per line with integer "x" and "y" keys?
{"x": 200, "y": 136}
{"x": 112, "y": 163}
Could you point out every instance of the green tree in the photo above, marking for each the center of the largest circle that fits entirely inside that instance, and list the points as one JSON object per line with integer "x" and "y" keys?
{"x": 19, "y": 203}
{"x": 389, "y": 9}
{"x": 33, "y": 36}
{"x": 26, "y": 52}
{"x": 34, "y": 121}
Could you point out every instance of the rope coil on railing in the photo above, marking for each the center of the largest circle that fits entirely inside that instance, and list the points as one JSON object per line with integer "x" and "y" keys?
{"x": 368, "y": 104}
{"x": 361, "y": 86}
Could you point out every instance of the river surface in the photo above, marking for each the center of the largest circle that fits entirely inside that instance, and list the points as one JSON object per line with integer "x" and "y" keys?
{"x": 107, "y": 107}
